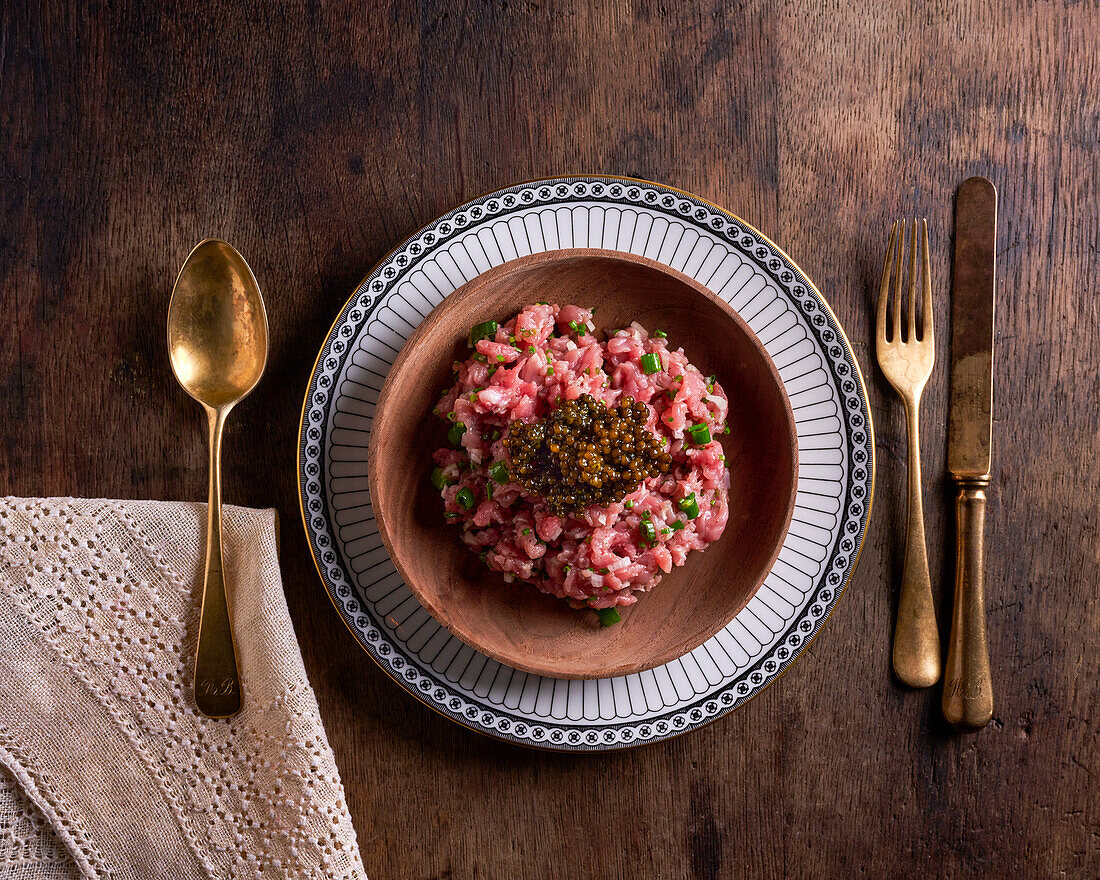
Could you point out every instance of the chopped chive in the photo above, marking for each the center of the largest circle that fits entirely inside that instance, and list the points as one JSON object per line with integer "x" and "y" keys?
{"x": 530, "y": 349}
{"x": 607, "y": 616}
{"x": 721, "y": 458}
{"x": 500, "y": 359}
{"x": 492, "y": 370}
{"x": 651, "y": 363}
{"x": 549, "y": 371}
{"x": 605, "y": 571}
{"x": 496, "y": 435}
{"x": 455, "y": 434}
{"x": 676, "y": 525}
{"x": 678, "y": 379}
{"x": 660, "y": 334}
{"x": 450, "y": 515}
{"x": 440, "y": 480}
{"x": 484, "y": 330}
{"x": 649, "y": 531}
{"x": 478, "y": 356}
{"x": 499, "y": 472}
{"x": 666, "y": 531}
{"x": 541, "y": 303}
{"x": 628, "y": 504}
{"x": 574, "y": 326}
{"x": 526, "y": 531}
{"x": 465, "y": 498}
{"x": 451, "y": 415}
{"x": 700, "y": 433}
{"x": 689, "y": 505}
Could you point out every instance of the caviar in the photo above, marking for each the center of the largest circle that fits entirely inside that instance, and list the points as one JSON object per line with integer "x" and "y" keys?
{"x": 584, "y": 453}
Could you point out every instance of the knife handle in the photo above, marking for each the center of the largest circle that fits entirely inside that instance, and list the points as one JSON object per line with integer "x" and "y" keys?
{"x": 968, "y": 690}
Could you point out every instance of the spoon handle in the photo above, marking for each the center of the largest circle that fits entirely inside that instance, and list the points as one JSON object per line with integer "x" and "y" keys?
{"x": 217, "y": 682}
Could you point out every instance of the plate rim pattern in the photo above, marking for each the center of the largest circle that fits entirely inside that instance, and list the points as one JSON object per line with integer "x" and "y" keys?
{"x": 839, "y": 361}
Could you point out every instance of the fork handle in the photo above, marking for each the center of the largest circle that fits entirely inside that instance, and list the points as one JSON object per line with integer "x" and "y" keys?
{"x": 916, "y": 636}
{"x": 968, "y": 689}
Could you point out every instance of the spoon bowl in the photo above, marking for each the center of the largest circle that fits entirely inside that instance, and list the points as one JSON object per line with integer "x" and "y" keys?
{"x": 217, "y": 325}
{"x": 217, "y": 343}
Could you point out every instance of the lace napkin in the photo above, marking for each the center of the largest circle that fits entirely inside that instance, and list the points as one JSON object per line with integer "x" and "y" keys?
{"x": 106, "y": 767}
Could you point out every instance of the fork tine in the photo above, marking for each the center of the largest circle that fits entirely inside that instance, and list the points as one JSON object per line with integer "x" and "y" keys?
{"x": 926, "y": 324}
{"x": 884, "y": 286}
{"x": 898, "y": 303}
{"x": 913, "y": 285}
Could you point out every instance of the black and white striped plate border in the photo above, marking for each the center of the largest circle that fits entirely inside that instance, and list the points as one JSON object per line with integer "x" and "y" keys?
{"x": 836, "y": 466}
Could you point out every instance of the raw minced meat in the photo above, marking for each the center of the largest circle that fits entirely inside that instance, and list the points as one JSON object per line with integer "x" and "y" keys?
{"x": 548, "y": 354}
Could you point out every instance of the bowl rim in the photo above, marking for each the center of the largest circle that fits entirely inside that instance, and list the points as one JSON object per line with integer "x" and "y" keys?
{"x": 455, "y": 300}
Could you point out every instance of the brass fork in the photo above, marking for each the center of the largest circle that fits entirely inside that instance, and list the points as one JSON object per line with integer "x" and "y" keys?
{"x": 906, "y": 357}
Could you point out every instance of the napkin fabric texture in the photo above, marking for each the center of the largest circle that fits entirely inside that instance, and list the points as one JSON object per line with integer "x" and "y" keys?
{"x": 107, "y": 769}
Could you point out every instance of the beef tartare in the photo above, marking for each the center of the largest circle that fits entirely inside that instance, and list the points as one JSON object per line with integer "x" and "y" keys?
{"x": 587, "y": 468}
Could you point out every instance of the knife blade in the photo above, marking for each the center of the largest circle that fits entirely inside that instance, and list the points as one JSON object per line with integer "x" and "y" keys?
{"x": 970, "y": 412}
{"x": 968, "y": 689}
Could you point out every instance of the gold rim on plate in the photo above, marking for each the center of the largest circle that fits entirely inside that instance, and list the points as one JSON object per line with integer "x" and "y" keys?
{"x": 727, "y": 681}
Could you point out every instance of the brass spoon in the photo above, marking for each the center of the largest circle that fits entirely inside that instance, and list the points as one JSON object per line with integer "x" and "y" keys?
{"x": 217, "y": 342}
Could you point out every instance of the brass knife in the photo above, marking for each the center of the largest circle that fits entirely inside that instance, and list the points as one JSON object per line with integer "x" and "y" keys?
{"x": 968, "y": 690}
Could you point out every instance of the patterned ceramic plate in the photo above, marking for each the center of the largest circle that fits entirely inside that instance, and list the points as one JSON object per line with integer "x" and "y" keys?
{"x": 836, "y": 466}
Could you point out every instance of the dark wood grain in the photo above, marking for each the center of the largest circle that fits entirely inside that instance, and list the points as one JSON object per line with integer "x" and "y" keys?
{"x": 315, "y": 136}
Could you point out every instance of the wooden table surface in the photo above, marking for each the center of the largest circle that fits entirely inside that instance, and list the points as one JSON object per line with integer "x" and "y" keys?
{"x": 317, "y": 136}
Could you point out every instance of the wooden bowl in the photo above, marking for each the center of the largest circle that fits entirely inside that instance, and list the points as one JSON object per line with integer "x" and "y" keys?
{"x": 515, "y": 623}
